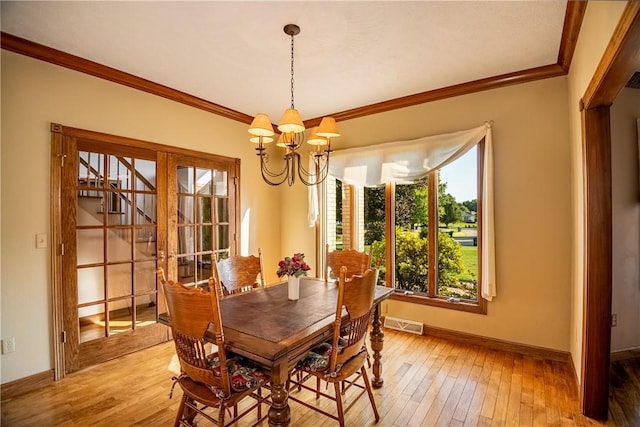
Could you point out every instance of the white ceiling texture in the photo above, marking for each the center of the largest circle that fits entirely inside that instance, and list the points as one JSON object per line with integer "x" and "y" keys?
{"x": 349, "y": 54}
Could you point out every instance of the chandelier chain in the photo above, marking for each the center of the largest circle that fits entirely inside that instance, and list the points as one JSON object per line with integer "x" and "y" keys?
{"x": 292, "y": 70}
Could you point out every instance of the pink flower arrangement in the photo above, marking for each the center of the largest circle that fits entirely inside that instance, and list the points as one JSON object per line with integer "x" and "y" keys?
{"x": 293, "y": 266}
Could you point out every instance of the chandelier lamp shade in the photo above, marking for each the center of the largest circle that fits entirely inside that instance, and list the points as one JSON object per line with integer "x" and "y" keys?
{"x": 291, "y": 138}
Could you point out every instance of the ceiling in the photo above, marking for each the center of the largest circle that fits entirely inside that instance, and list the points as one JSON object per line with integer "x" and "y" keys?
{"x": 349, "y": 54}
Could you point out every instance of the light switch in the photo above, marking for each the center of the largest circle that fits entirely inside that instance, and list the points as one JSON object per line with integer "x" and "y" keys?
{"x": 41, "y": 241}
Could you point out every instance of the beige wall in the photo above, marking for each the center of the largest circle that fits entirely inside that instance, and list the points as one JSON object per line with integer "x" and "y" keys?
{"x": 34, "y": 94}
{"x": 532, "y": 194}
{"x": 597, "y": 27}
{"x": 296, "y": 235}
{"x": 625, "y": 198}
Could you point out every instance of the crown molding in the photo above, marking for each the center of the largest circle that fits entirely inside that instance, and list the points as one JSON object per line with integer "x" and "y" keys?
{"x": 573, "y": 20}
{"x": 572, "y": 23}
{"x": 63, "y": 59}
{"x": 495, "y": 82}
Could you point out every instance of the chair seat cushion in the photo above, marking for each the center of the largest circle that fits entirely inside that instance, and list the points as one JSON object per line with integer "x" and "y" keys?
{"x": 210, "y": 396}
{"x": 243, "y": 374}
{"x": 317, "y": 360}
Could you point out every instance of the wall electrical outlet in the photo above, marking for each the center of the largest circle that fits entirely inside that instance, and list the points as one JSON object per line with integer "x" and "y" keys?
{"x": 614, "y": 320}
{"x": 41, "y": 241}
{"x": 8, "y": 345}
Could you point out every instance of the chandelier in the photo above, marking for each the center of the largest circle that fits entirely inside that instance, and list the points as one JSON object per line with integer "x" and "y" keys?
{"x": 291, "y": 139}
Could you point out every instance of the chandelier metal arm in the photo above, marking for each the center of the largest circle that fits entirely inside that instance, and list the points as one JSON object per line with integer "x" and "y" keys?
{"x": 321, "y": 172}
{"x": 267, "y": 174}
{"x": 293, "y": 161}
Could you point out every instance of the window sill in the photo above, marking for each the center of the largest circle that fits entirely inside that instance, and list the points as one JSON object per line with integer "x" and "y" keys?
{"x": 479, "y": 307}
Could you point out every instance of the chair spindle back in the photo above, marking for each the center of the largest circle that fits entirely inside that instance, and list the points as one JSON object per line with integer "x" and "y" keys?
{"x": 356, "y": 262}
{"x": 240, "y": 274}
{"x": 195, "y": 312}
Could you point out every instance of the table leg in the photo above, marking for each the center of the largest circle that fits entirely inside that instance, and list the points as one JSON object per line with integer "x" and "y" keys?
{"x": 279, "y": 412}
{"x": 377, "y": 340}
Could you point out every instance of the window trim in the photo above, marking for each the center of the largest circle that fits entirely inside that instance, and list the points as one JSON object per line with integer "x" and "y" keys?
{"x": 479, "y": 307}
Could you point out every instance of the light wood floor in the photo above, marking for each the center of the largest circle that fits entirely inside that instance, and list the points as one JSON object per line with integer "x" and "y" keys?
{"x": 428, "y": 382}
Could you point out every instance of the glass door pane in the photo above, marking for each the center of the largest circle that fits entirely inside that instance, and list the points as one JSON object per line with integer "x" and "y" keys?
{"x": 203, "y": 232}
{"x": 116, "y": 232}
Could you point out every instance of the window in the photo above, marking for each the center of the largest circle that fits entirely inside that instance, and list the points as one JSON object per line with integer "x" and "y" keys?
{"x": 426, "y": 233}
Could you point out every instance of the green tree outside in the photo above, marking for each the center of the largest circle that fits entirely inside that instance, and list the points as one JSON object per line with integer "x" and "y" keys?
{"x": 412, "y": 261}
{"x": 451, "y": 211}
{"x": 471, "y": 205}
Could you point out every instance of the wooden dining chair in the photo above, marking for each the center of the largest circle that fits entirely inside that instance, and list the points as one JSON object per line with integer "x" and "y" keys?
{"x": 341, "y": 361}
{"x": 212, "y": 381}
{"x": 238, "y": 273}
{"x": 356, "y": 262}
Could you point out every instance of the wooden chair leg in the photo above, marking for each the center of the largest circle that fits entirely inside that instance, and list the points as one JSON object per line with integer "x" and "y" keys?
{"x": 221, "y": 413}
{"x": 339, "y": 403}
{"x": 299, "y": 375}
{"x": 317, "y": 387}
{"x": 180, "y": 411}
{"x": 189, "y": 414}
{"x": 260, "y": 402}
{"x": 367, "y": 384}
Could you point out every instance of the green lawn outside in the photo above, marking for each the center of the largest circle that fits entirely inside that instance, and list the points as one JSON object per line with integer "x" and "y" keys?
{"x": 470, "y": 260}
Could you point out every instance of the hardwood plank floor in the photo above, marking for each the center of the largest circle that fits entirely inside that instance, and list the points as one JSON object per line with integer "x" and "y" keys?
{"x": 428, "y": 381}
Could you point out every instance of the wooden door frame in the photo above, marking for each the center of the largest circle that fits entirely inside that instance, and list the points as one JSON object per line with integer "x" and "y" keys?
{"x": 58, "y": 133}
{"x": 619, "y": 61}
{"x": 76, "y": 355}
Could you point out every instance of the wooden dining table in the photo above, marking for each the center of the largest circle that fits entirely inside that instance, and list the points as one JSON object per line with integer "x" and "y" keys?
{"x": 266, "y": 327}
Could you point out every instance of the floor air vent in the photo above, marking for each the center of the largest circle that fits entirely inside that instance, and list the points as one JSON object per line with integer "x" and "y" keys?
{"x": 403, "y": 325}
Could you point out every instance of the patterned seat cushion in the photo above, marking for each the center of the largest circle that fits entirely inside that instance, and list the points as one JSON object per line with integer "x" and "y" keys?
{"x": 317, "y": 360}
{"x": 243, "y": 374}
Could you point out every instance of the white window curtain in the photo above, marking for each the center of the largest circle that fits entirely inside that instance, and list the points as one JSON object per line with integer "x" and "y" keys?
{"x": 403, "y": 162}
{"x": 314, "y": 207}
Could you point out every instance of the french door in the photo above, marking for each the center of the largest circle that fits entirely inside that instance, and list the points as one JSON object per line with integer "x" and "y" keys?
{"x": 202, "y": 223}
{"x": 121, "y": 208}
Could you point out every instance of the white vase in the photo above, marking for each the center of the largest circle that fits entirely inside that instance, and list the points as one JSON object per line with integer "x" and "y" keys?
{"x": 293, "y": 288}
